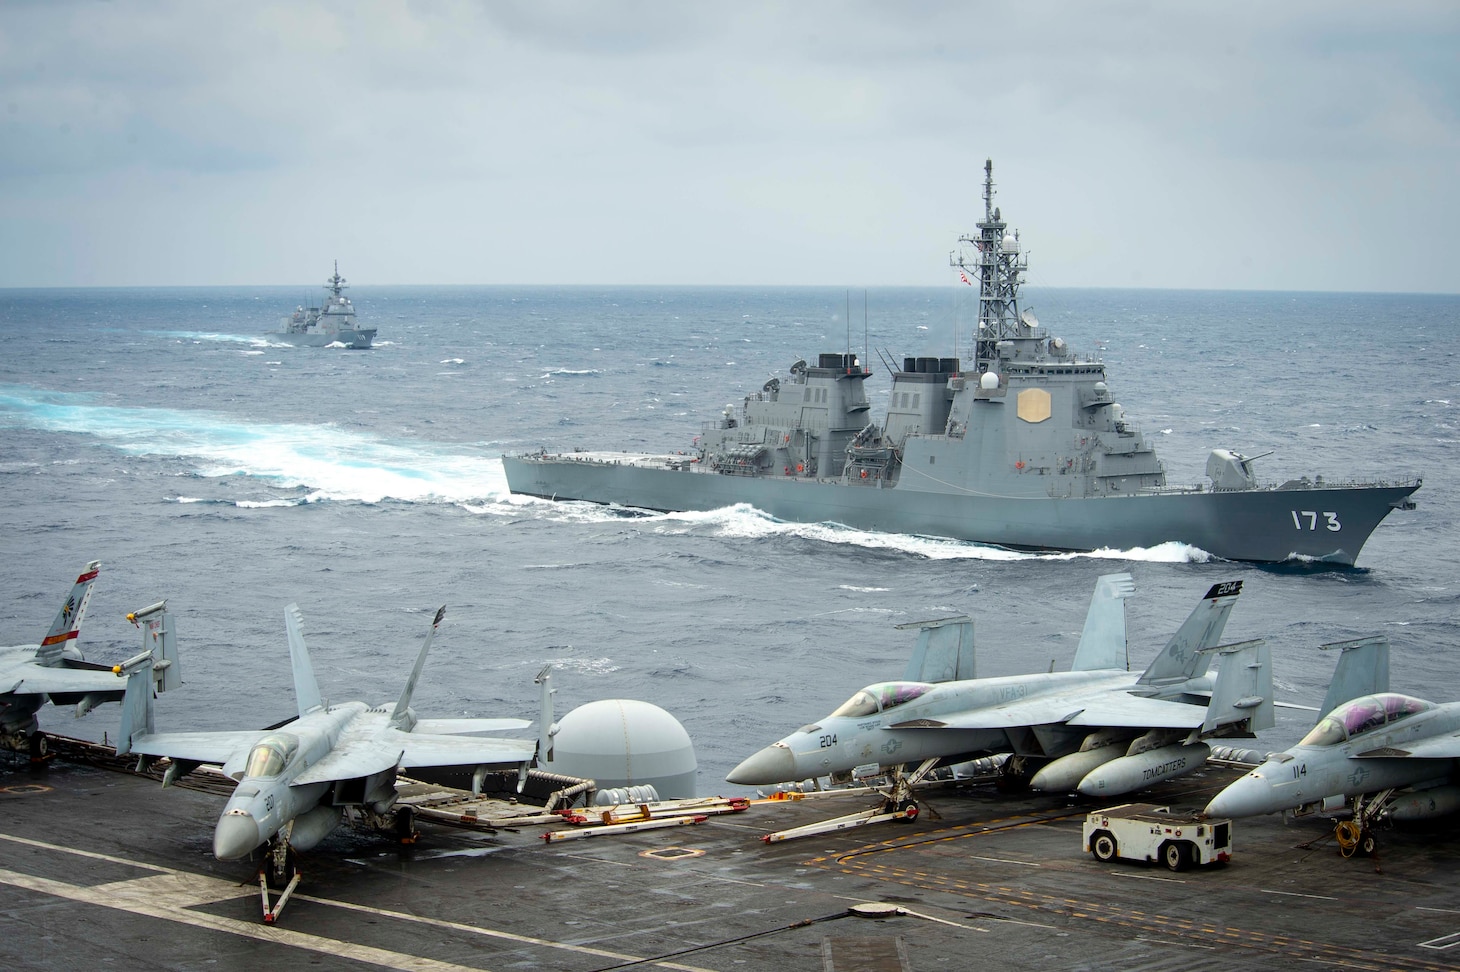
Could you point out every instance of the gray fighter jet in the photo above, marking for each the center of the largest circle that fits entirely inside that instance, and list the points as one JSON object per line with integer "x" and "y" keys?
{"x": 296, "y": 780}
{"x": 1098, "y": 728}
{"x": 1383, "y": 755}
{"x": 54, "y": 670}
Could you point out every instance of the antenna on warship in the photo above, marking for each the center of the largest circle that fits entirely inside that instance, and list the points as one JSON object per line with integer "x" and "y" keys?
{"x": 336, "y": 283}
{"x": 998, "y": 266}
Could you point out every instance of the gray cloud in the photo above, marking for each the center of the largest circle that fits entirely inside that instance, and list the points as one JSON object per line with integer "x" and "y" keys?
{"x": 1301, "y": 145}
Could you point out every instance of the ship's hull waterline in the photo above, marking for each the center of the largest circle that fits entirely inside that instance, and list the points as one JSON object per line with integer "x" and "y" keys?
{"x": 1258, "y": 525}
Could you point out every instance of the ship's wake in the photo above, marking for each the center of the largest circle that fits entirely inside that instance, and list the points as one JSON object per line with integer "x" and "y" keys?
{"x": 267, "y": 465}
{"x": 214, "y": 337}
{"x": 261, "y": 465}
{"x": 743, "y": 521}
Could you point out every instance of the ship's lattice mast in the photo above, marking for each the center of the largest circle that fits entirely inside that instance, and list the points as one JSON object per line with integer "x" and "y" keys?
{"x": 335, "y": 284}
{"x": 998, "y": 265}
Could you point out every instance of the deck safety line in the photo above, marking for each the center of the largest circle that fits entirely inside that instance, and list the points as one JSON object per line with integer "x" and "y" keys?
{"x": 172, "y": 885}
{"x": 860, "y": 860}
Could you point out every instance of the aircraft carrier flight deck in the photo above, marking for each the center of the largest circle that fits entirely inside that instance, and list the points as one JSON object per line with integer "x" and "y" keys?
{"x": 103, "y": 869}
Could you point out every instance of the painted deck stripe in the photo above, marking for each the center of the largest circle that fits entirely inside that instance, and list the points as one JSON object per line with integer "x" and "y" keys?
{"x": 182, "y": 890}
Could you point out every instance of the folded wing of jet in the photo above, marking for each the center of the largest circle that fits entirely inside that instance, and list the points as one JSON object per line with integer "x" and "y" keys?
{"x": 1097, "y": 728}
{"x": 55, "y": 671}
{"x": 296, "y": 780}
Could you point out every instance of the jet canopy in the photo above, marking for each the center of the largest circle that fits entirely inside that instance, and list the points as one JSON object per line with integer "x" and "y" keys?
{"x": 271, "y": 754}
{"x": 1362, "y": 715}
{"x": 876, "y": 698}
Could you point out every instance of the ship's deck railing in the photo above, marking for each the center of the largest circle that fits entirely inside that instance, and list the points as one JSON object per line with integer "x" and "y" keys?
{"x": 1289, "y": 484}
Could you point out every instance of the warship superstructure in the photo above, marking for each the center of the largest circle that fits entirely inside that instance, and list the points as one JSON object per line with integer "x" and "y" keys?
{"x": 1027, "y": 450}
{"x": 333, "y": 323}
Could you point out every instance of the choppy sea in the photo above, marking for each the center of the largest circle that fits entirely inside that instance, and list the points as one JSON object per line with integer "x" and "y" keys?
{"x": 165, "y": 433}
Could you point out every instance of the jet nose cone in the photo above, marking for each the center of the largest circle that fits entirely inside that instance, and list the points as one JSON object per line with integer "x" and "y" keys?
{"x": 235, "y": 837}
{"x": 1246, "y": 797}
{"x": 774, "y": 764}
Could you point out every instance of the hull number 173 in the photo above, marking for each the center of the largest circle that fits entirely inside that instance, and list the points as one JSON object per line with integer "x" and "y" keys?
{"x": 1308, "y": 520}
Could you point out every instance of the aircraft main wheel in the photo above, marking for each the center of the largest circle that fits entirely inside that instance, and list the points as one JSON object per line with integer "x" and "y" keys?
{"x": 405, "y": 825}
{"x": 1015, "y": 775}
{"x": 1103, "y": 846}
{"x": 1175, "y": 856}
{"x": 1367, "y": 843}
{"x": 39, "y": 747}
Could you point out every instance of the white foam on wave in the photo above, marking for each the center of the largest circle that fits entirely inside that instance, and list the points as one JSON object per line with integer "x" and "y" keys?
{"x": 198, "y": 337}
{"x": 333, "y": 463}
{"x": 581, "y": 666}
{"x": 746, "y": 522}
{"x": 569, "y": 372}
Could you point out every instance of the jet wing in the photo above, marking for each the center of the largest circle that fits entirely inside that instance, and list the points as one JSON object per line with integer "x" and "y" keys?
{"x": 39, "y": 680}
{"x": 459, "y": 727}
{"x": 1446, "y": 746}
{"x": 424, "y": 749}
{"x": 199, "y": 747}
{"x": 1110, "y": 710}
{"x": 350, "y": 761}
{"x": 378, "y": 751}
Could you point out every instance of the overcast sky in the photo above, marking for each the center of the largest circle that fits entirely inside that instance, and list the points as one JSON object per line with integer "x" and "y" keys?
{"x": 1235, "y": 144}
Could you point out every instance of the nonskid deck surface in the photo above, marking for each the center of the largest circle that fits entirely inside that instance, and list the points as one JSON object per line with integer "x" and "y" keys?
{"x": 104, "y": 869}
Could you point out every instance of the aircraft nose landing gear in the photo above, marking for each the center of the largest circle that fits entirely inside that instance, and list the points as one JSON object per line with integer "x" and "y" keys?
{"x": 1354, "y": 839}
{"x": 279, "y": 870}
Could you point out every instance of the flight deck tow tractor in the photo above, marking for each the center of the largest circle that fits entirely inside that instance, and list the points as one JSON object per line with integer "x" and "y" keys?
{"x": 1145, "y": 832}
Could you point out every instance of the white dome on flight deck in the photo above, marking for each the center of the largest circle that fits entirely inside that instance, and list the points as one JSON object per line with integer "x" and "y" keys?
{"x": 625, "y": 743}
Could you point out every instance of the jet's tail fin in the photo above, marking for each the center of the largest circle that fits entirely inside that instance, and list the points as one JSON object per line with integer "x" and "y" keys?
{"x": 1102, "y": 642}
{"x": 1184, "y": 655}
{"x": 306, "y": 689}
{"x": 401, "y": 715}
{"x": 1241, "y": 701}
{"x": 68, "y": 620}
{"x": 1363, "y": 669}
{"x": 944, "y": 652}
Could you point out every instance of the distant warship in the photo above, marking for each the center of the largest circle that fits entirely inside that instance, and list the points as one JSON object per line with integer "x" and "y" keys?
{"x": 334, "y": 323}
{"x": 1028, "y": 450}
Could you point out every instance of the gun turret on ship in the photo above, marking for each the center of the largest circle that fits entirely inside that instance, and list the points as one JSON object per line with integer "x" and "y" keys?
{"x": 1025, "y": 449}
{"x": 332, "y": 323}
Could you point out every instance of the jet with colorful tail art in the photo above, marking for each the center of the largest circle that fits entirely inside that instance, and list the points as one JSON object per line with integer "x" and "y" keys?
{"x": 55, "y": 671}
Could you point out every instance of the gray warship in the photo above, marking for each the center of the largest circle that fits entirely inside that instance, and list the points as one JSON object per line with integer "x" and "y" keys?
{"x": 1027, "y": 450}
{"x": 334, "y": 323}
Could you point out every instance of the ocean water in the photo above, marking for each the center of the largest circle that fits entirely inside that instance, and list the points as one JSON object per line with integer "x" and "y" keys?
{"x": 164, "y": 433}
